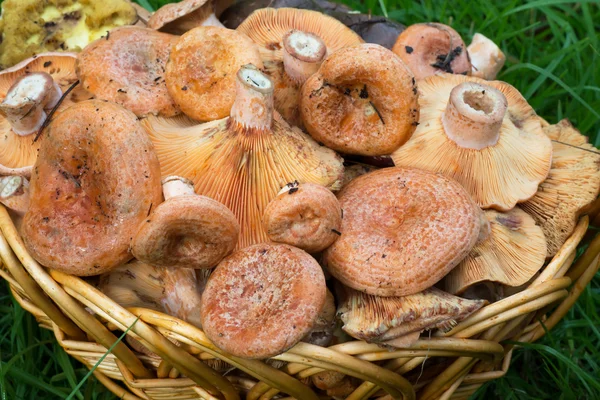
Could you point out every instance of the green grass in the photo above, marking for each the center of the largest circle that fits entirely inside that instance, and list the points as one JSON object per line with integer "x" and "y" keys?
{"x": 553, "y": 51}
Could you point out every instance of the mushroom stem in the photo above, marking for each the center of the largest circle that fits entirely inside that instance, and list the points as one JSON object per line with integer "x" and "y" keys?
{"x": 177, "y": 186}
{"x": 212, "y": 20}
{"x": 14, "y": 193}
{"x": 486, "y": 57}
{"x": 303, "y": 54}
{"x": 474, "y": 115}
{"x": 22, "y": 171}
{"x": 253, "y": 106}
{"x": 26, "y": 100}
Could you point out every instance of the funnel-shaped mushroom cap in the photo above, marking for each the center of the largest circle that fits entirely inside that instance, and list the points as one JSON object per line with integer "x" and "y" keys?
{"x": 128, "y": 68}
{"x": 92, "y": 185}
{"x": 202, "y": 68}
{"x": 482, "y": 134}
{"x": 363, "y": 100}
{"x": 379, "y": 319}
{"x": 307, "y": 216}
{"x": 178, "y": 18}
{"x": 431, "y": 48}
{"x": 572, "y": 184}
{"x": 403, "y": 230}
{"x": 18, "y": 151}
{"x": 262, "y": 300}
{"x": 267, "y": 27}
{"x": 511, "y": 254}
{"x": 186, "y": 231}
{"x": 243, "y": 161}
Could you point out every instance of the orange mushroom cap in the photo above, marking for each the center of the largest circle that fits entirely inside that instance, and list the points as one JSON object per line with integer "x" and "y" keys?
{"x": 92, "y": 185}
{"x": 178, "y": 18}
{"x": 128, "y": 68}
{"x": 403, "y": 230}
{"x": 262, "y": 300}
{"x": 431, "y": 48}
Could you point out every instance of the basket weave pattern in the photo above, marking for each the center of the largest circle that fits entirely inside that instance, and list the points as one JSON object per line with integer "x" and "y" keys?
{"x": 86, "y": 323}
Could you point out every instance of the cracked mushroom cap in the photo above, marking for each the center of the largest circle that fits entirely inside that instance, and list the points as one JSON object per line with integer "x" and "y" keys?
{"x": 511, "y": 254}
{"x": 377, "y": 319}
{"x": 178, "y": 18}
{"x": 267, "y": 27}
{"x": 128, "y": 67}
{"x": 262, "y": 300}
{"x": 572, "y": 184}
{"x": 307, "y": 216}
{"x": 244, "y": 160}
{"x": 186, "y": 230}
{"x": 403, "y": 230}
{"x": 91, "y": 187}
{"x": 363, "y": 100}
{"x": 482, "y": 134}
{"x": 17, "y": 152}
{"x": 431, "y": 48}
{"x": 202, "y": 68}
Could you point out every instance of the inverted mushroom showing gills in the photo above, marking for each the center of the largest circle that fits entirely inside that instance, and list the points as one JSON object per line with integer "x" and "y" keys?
{"x": 128, "y": 68}
{"x": 262, "y": 300}
{"x": 384, "y": 320}
{"x": 306, "y": 216}
{"x": 243, "y": 161}
{"x": 482, "y": 134}
{"x": 486, "y": 57}
{"x": 178, "y": 18}
{"x": 186, "y": 230}
{"x": 202, "y": 67}
{"x": 92, "y": 185}
{"x": 403, "y": 230}
{"x": 572, "y": 185}
{"x": 363, "y": 100}
{"x": 431, "y": 48}
{"x": 512, "y": 253}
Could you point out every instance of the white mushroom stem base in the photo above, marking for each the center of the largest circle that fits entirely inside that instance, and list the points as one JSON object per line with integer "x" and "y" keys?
{"x": 303, "y": 54}
{"x": 26, "y": 101}
{"x": 14, "y": 193}
{"x": 253, "y": 105}
{"x": 474, "y": 115}
{"x": 177, "y": 186}
{"x": 486, "y": 57}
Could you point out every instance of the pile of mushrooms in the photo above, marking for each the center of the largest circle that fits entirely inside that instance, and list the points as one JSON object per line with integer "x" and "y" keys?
{"x": 211, "y": 174}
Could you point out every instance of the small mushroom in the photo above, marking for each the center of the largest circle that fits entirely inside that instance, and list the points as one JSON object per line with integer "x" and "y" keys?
{"x": 128, "y": 68}
{"x": 486, "y": 57}
{"x": 327, "y": 379}
{"x": 513, "y": 252}
{"x": 178, "y": 18}
{"x": 363, "y": 100}
{"x": 14, "y": 193}
{"x": 430, "y": 48}
{"x": 91, "y": 187}
{"x": 262, "y": 300}
{"x": 484, "y": 135}
{"x": 307, "y": 216}
{"x": 18, "y": 152}
{"x": 303, "y": 53}
{"x": 381, "y": 320}
{"x": 202, "y": 68}
{"x": 322, "y": 332}
{"x": 268, "y": 26}
{"x": 186, "y": 230}
{"x": 572, "y": 185}
{"x": 243, "y": 161}
{"x": 403, "y": 230}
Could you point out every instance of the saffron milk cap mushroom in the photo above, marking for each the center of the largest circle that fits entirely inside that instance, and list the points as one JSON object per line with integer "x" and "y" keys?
{"x": 307, "y": 216}
{"x": 202, "y": 68}
{"x": 403, "y": 230}
{"x": 262, "y": 300}
{"x": 128, "y": 67}
{"x": 178, "y": 18}
{"x": 363, "y": 100}
{"x": 513, "y": 252}
{"x": 430, "y": 48}
{"x": 244, "y": 160}
{"x": 186, "y": 230}
{"x": 572, "y": 184}
{"x": 486, "y": 57}
{"x": 482, "y": 134}
{"x": 91, "y": 187}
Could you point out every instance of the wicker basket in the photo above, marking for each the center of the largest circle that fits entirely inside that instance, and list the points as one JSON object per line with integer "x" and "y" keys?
{"x": 86, "y": 323}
